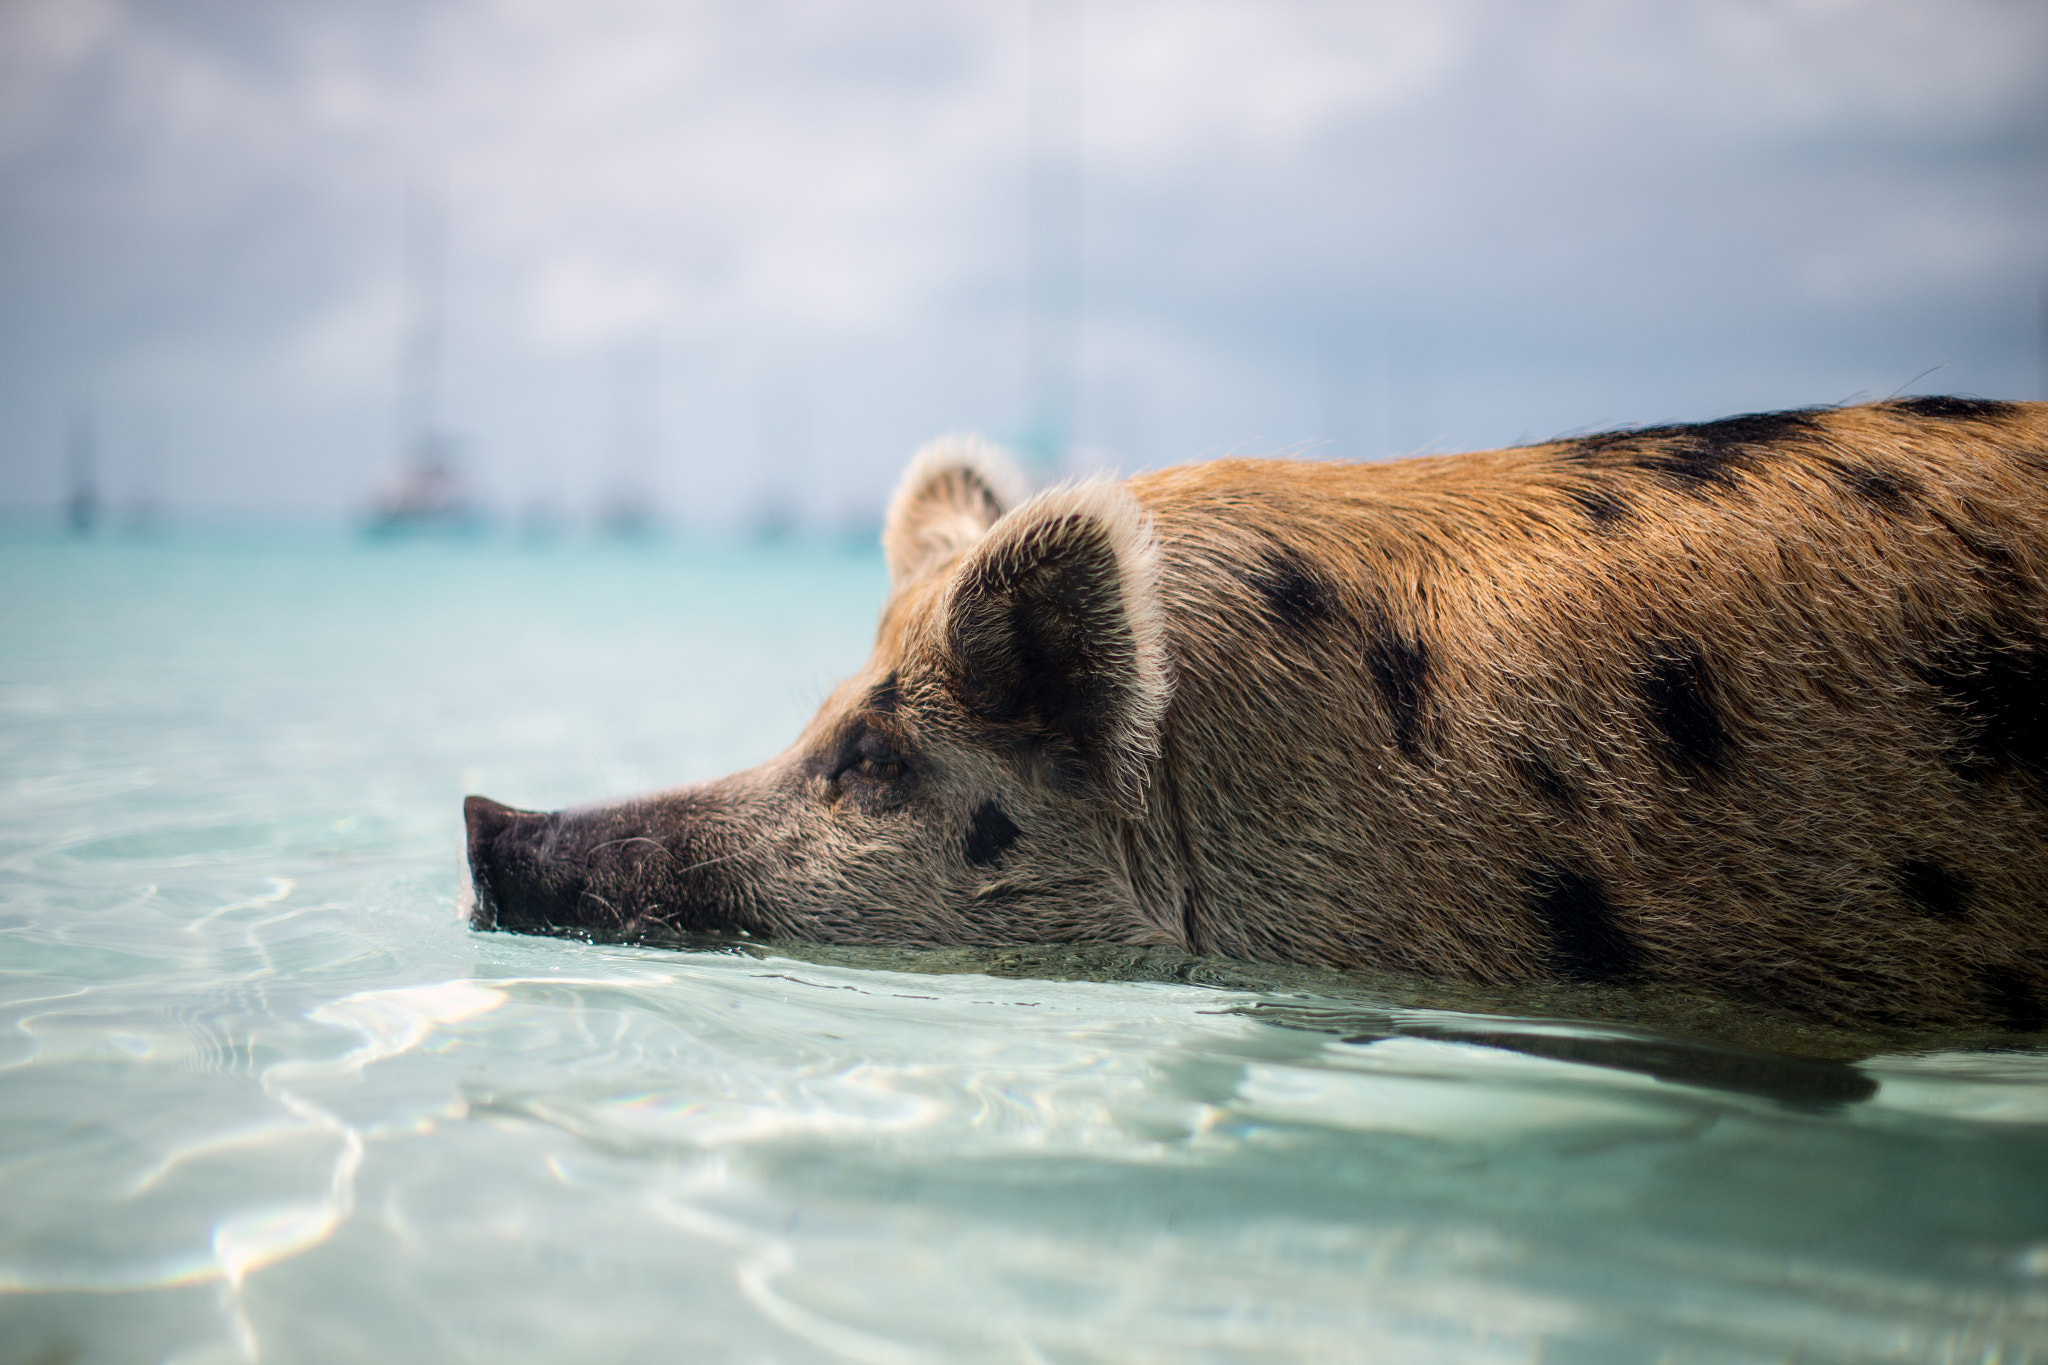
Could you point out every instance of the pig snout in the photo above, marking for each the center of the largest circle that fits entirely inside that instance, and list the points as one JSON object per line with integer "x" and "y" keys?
{"x": 607, "y": 871}
{"x": 508, "y": 850}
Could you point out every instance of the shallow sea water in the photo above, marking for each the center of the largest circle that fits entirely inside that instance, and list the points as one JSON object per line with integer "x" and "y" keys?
{"x": 263, "y": 1097}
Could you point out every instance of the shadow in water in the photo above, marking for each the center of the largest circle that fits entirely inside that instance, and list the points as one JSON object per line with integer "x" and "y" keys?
{"x": 1679, "y": 1034}
{"x": 1804, "y": 1081}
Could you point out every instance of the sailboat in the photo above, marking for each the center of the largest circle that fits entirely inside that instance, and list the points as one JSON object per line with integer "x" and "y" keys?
{"x": 427, "y": 496}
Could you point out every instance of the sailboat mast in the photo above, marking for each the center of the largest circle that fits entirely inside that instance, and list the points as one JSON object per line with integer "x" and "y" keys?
{"x": 419, "y": 380}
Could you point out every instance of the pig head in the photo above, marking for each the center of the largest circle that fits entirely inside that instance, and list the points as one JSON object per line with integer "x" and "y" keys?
{"x": 979, "y": 781}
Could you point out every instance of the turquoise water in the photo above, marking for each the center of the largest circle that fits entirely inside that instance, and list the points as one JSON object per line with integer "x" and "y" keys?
{"x": 263, "y": 1097}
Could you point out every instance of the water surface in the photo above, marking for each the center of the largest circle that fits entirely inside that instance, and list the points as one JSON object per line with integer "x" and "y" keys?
{"x": 262, "y": 1096}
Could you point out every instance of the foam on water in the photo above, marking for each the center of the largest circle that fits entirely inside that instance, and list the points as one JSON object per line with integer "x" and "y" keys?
{"x": 262, "y": 1096}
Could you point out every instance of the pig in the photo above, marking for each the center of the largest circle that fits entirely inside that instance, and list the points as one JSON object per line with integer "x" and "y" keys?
{"x": 1756, "y": 707}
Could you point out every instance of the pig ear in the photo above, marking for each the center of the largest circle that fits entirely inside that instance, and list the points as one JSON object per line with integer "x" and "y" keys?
{"x": 1054, "y": 634}
{"x": 954, "y": 490}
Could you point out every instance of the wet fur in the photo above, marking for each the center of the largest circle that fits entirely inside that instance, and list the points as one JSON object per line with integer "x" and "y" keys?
{"x": 1758, "y": 706}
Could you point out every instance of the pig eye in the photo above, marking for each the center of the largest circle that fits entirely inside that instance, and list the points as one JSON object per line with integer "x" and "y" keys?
{"x": 874, "y": 758}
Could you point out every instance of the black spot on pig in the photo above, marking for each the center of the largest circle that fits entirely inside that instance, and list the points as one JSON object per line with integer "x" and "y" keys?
{"x": 1677, "y": 693}
{"x": 1934, "y": 890}
{"x": 1999, "y": 696}
{"x": 1881, "y": 488}
{"x": 988, "y": 834}
{"x": 1956, "y": 409}
{"x": 1587, "y": 941}
{"x": 1710, "y": 457}
{"x": 1399, "y": 666}
{"x": 1603, "y": 506}
{"x": 1295, "y": 597}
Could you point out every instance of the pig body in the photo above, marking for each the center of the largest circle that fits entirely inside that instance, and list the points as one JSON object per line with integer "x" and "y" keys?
{"x": 1758, "y": 707}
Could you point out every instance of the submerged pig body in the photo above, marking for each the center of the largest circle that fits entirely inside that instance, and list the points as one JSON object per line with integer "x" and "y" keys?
{"x": 1759, "y": 707}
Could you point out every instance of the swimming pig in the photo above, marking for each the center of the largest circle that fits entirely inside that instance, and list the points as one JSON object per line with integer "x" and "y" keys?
{"x": 1758, "y": 706}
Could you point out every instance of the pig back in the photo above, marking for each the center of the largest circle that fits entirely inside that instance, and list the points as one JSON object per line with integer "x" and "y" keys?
{"x": 1759, "y": 706}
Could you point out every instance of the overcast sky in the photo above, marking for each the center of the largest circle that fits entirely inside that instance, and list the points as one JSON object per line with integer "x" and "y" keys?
{"x": 756, "y": 251}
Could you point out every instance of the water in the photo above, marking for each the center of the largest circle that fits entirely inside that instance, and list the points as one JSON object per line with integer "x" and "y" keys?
{"x": 262, "y": 1096}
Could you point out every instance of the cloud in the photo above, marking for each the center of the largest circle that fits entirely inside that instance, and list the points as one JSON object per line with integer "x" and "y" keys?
{"x": 577, "y": 301}
{"x": 1379, "y": 223}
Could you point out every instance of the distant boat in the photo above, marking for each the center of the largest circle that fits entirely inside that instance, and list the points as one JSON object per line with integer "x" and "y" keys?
{"x": 427, "y": 497}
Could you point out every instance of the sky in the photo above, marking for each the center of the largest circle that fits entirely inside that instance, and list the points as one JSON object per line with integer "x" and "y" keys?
{"x": 745, "y": 255}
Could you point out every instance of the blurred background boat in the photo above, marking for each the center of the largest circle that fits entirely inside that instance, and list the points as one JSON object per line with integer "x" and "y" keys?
{"x": 427, "y": 495}
{"x": 426, "y": 498}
